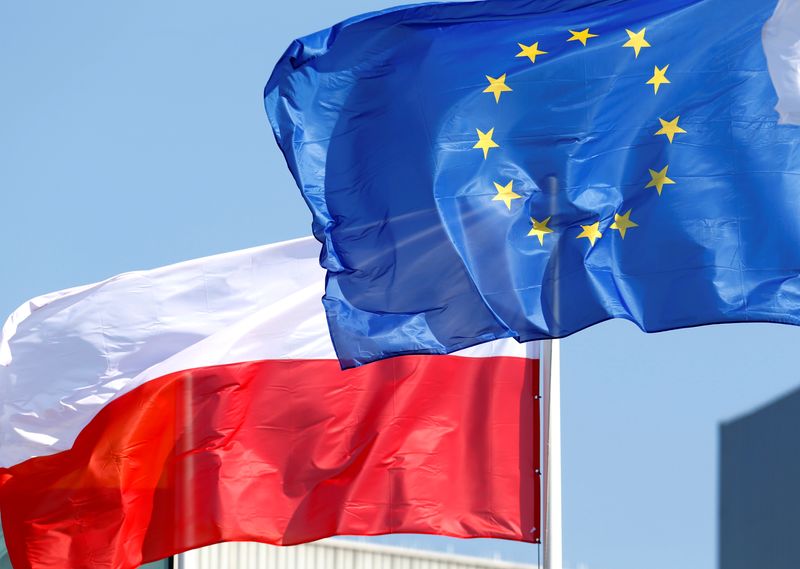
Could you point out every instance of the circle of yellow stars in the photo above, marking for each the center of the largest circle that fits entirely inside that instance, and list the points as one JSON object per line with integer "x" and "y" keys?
{"x": 637, "y": 41}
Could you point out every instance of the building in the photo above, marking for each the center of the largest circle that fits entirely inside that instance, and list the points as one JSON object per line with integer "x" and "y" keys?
{"x": 325, "y": 554}
{"x": 759, "y": 492}
{"x": 331, "y": 554}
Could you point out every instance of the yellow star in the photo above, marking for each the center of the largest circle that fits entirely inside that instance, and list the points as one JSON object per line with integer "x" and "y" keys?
{"x": 540, "y": 229}
{"x": 659, "y": 179}
{"x": 670, "y": 128}
{"x": 636, "y": 41}
{"x": 530, "y": 51}
{"x": 659, "y": 77}
{"x": 623, "y": 222}
{"x": 497, "y": 86}
{"x": 505, "y": 194}
{"x": 591, "y": 232}
{"x": 581, "y": 36}
{"x": 485, "y": 142}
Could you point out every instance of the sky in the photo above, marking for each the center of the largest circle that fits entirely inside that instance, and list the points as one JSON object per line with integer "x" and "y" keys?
{"x": 133, "y": 135}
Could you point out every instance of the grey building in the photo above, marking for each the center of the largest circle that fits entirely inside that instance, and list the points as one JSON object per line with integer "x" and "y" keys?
{"x": 4, "y": 562}
{"x": 759, "y": 491}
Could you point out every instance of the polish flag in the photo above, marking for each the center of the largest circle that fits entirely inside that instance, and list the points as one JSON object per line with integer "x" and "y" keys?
{"x": 169, "y": 409}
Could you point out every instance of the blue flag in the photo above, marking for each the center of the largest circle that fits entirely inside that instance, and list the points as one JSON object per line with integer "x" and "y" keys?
{"x": 526, "y": 169}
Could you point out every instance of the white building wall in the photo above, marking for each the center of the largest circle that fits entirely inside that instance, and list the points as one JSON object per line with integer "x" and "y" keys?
{"x": 330, "y": 554}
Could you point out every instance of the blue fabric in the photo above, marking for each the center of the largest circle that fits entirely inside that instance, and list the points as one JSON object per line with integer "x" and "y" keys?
{"x": 377, "y": 118}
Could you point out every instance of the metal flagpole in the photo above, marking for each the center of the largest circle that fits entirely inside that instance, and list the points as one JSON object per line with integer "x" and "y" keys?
{"x": 551, "y": 481}
{"x": 185, "y": 479}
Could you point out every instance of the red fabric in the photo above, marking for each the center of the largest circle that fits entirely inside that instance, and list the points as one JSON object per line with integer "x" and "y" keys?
{"x": 286, "y": 452}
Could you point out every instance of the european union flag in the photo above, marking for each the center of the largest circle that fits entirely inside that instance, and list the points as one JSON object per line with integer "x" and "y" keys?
{"x": 529, "y": 168}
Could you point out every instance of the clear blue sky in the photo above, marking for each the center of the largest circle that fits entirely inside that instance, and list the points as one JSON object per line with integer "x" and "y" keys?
{"x": 132, "y": 135}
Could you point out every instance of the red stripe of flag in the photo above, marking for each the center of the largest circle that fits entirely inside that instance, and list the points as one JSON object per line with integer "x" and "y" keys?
{"x": 286, "y": 452}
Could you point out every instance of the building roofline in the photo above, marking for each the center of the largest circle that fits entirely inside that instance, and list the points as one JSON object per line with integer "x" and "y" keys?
{"x": 757, "y": 410}
{"x": 484, "y": 562}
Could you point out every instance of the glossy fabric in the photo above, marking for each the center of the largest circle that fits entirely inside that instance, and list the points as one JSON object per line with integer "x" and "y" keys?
{"x": 66, "y": 355}
{"x": 377, "y": 118}
{"x": 285, "y": 452}
{"x": 167, "y": 409}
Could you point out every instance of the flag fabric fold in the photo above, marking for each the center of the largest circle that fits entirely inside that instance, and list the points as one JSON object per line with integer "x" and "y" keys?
{"x": 168, "y": 409}
{"x": 782, "y": 47}
{"x": 482, "y": 170}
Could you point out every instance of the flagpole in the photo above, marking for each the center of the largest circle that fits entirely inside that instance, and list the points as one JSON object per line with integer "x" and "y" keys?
{"x": 552, "y": 544}
{"x": 551, "y": 511}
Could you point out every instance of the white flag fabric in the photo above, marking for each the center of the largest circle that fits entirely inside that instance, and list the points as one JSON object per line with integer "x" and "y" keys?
{"x": 64, "y": 356}
{"x": 782, "y": 47}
